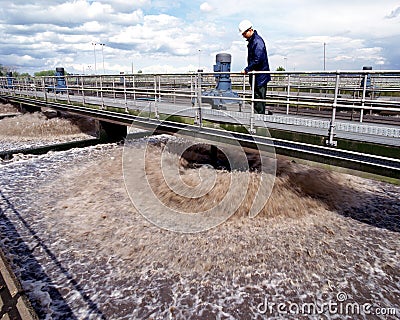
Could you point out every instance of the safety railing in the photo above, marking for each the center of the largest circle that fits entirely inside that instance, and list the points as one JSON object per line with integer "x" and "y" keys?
{"x": 355, "y": 92}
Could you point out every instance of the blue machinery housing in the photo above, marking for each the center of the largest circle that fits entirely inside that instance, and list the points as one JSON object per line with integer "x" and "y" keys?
{"x": 223, "y": 90}
{"x": 9, "y": 80}
{"x": 61, "y": 85}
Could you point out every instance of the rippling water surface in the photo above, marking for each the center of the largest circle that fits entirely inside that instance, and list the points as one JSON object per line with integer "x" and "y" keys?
{"x": 82, "y": 251}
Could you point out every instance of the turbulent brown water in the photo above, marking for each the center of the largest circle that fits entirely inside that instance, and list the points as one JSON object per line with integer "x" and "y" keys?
{"x": 33, "y": 130}
{"x": 82, "y": 250}
{"x": 6, "y": 108}
{"x": 36, "y": 125}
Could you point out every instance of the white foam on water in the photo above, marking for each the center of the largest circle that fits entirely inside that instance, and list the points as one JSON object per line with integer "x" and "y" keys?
{"x": 106, "y": 260}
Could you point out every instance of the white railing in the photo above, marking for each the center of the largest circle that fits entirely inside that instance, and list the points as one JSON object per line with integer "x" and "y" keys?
{"x": 355, "y": 91}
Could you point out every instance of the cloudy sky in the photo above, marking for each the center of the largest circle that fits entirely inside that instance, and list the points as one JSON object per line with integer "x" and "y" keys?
{"x": 179, "y": 36}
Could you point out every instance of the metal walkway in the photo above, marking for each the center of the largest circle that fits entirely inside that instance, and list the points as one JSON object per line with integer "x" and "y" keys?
{"x": 384, "y": 134}
{"x": 127, "y": 98}
{"x": 355, "y": 160}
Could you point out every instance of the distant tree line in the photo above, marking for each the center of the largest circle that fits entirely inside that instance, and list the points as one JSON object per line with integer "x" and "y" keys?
{"x": 5, "y": 69}
{"x": 52, "y": 73}
{"x": 44, "y": 73}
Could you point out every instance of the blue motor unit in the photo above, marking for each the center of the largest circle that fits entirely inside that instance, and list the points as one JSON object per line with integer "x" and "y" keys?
{"x": 60, "y": 85}
{"x": 10, "y": 80}
{"x": 60, "y": 77}
{"x": 219, "y": 97}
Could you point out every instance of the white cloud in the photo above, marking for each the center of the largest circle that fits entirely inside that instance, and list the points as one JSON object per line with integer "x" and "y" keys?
{"x": 206, "y": 7}
{"x": 395, "y": 13}
{"x": 92, "y": 27}
{"x": 127, "y": 6}
{"x": 168, "y": 35}
{"x": 158, "y": 34}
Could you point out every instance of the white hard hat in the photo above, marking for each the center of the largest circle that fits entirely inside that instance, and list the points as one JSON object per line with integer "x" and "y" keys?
{"x": 245, "y": 25}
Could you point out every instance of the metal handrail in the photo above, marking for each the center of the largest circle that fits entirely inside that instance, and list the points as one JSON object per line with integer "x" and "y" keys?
{"x": 313, "y": 89}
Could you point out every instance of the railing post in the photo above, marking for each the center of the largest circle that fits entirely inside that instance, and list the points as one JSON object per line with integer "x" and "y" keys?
{"x": 83, "y": 91}
{"x": 244, "y": 93}
{"x": 25, "y": 88}
{"x": 95, "y": 85}
{"x": 44, "y": 89}
{"x": 125, "y": 95}
{"x": 174, "y": 94}
{"x": 155, "y": 98}
{"x": 364, "y": 94}
{"x": 197, "y": 87}
{"x": 193, "y": 97}
{"x": 288, "y": 95}
{"x": 113, "y": 87}
{"x": 134, "y": 90}
{"x": 253, "y": 83}
{"x": 193, "y": 87}
{"x": 101, "y": 92}
{"x": 331, "y": 141}
{"x": 14, "y": 85}
{"x": 53, "y": 79}
{"x": 34, "y": 87}
{"x": 66, "y": 84}
{"x": 159, "y": 88}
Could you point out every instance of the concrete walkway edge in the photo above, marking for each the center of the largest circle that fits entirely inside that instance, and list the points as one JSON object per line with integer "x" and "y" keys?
{"x": 13, "y": 302}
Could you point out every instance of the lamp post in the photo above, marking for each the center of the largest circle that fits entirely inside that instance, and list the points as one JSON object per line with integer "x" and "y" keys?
{"x": 199, "y": 58}
{"x": 324, "y": 56}
{"x": 102, "y": 53}
{"x": 94, "y": 54}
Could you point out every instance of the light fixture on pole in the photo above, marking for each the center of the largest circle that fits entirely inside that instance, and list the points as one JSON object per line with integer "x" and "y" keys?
{"x": 199, "y": 59}
{"x": 102, "y": 53}
{"x": 94, "y": 54}
{"x": 324, "y": 56}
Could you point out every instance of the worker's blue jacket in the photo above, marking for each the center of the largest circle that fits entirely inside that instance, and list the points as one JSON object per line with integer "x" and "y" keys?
{"x": 257, "y": 59}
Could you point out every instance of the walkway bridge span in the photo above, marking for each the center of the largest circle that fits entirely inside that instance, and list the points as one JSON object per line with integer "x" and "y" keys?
{"x": 329, "y": 107}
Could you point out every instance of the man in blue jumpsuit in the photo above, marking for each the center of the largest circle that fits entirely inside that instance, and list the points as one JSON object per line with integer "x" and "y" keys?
{"x": 257, "y": 60}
